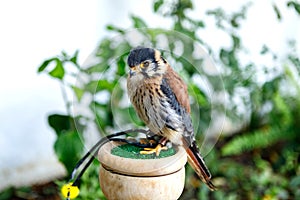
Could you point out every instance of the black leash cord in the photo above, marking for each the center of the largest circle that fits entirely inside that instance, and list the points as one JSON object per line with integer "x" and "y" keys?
{"x": 94, "y": 150}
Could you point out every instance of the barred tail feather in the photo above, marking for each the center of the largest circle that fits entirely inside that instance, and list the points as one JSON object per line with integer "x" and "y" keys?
{"x": 198, "y": 164}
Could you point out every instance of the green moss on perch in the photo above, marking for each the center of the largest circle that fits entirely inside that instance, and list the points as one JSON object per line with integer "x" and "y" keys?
{"x": 131, "y": 151}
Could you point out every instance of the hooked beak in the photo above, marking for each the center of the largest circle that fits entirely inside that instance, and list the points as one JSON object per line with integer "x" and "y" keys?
{"x": 133, "y": 71}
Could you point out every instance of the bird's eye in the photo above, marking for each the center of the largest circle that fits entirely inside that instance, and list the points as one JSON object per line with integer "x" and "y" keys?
{"x": 146, "y": 64}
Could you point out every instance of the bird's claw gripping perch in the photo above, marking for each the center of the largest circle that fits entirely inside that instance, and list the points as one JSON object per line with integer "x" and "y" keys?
{"x": 155, "y": 150}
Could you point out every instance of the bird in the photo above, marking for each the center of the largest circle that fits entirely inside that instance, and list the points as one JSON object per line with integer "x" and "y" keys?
{"x": 160, "y": 99}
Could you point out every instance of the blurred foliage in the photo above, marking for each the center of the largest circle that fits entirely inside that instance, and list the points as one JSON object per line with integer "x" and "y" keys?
{"x": 89, "y": 187}
{"x": 258, "y": 159}
{"x": 47, "y": 191}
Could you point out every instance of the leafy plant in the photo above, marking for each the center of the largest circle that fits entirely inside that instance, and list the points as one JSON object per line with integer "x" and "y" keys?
{"x": 68, "y": 145}
{"x": 258, "y": 160}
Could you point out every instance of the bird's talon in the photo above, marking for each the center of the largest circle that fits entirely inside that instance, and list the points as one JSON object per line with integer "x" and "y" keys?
{"x": 155, "y": 150}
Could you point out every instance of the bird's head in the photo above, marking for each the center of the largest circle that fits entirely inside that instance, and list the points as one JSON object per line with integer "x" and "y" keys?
{"x": 146, "y": 62}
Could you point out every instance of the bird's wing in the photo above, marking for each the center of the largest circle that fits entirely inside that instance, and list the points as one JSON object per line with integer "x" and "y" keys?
{"x": 176, "y": 90}
{"x": 178, "y": 87}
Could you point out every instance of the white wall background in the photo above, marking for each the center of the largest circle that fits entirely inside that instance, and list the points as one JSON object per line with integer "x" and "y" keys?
{"x": 33, "y": 30}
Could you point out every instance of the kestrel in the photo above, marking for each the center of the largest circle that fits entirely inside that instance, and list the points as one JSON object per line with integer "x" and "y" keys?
{"x": 161, "y": 100}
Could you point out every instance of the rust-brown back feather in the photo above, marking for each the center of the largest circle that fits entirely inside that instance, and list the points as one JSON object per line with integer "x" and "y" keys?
{"x": 178, "y": 87}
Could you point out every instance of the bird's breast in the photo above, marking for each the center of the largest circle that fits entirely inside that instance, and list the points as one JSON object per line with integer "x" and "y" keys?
{"x": 145, "y": 100}
{"x": 154, "y": 108}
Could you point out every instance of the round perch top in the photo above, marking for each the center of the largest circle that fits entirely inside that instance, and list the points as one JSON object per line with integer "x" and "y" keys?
{"x": 141, "y": 167}
{"x": 131, "y": 151}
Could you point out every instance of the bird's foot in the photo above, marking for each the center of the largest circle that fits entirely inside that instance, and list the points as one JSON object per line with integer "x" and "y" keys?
{"x": 155, "y": 150}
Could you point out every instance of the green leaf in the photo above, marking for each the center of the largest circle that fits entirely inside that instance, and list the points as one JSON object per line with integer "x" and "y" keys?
{"x": 111, "y": 27}
{"x": 265, "y": 49}
{"x": 68, "y": 148}
{"x": 100, "y": 67}
{"x": 236, "y": 41}
{"x": 79, "y": 92}
{"x": 234, "y": 22}
{"x": 45, "y": 64}
{"x": 103, "y": 114}
{"x": 200, "y": 97}
{"x": 228, "y": 58}
{"x": 138, "y": 22}
{"x": 105, "y": 84}
{"x": 258, "y": 139}
{"x": 7, "y": 193}
{"x": 295, "y": 5}
{"x": 60, "y": 123}
{"x": 277, "y": 11}
{"x": 295, "y": 182}
{"x": 65, "y": 55}
{"x": 295, "y": 60}
{"x": 92, "y": 87}
{"x": 122, "y": 49}
{"x": 74, "y": 58}
{"x": 121, "y": 67}
{"x": 185, "y": 4}
{"x": 283, "y": 110}
{"x": 100, "y": 85}
{"x": 200, "y": 23}
{"x": 157, "y": 4}
{"x": 58, "y": 71}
